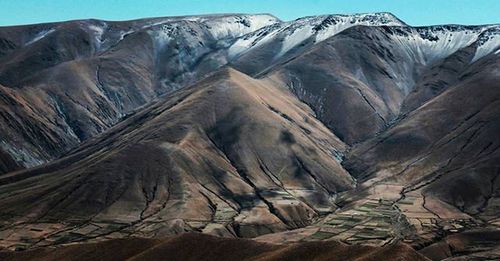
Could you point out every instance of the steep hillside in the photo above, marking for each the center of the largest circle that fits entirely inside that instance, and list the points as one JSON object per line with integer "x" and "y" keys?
{"x": 63, "y": 83}
{"x": 447, "y": 148}
{"x": 361, "y": 79}
{"x": 230, "y": 155}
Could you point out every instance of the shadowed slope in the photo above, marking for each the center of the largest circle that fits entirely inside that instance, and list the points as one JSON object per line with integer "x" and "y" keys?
{"x": 475, "y": 244}
{"x": 230, "y": 155}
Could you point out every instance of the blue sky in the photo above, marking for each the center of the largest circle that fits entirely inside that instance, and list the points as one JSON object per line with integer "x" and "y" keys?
{"x": 414, "y": 12}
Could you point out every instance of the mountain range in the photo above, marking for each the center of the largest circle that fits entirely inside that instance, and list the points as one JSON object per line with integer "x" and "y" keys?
{"x": 352, "y": 128}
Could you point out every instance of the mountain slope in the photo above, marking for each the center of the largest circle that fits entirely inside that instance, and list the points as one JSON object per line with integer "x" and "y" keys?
{"x": 39, "y": 63}
{"x": 355, "y": 128}
{"x": 230, "y": 155}
{"x": 375, "y": 73}
{"x": 279, "y": 42}
{"x": 70, "y": 81}
{"x": 441, "y": 160}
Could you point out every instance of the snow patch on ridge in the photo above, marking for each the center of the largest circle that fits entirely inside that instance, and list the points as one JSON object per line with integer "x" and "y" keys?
{"x": 220, "y": 27}
{"x": 97, "y": 30}
{"x": 40, "y": 35}
{"x": 332, "y": 25}
{"x": 164, "y": 35}
{"x": 428, "y": 44}
{"x": 237, "y": 26}
{"x": 254, "y": 39}
{"x": 489, "y": 42}
{"x": 297, "y": 37}
{"x": 326, "y": 26}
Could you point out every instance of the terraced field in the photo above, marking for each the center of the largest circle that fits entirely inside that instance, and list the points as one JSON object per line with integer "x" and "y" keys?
{"x": 382, "y": 214}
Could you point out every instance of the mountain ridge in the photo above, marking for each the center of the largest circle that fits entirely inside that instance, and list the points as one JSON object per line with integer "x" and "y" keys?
{"x": 352, "y": 128}
{"x": 159, "y": 74}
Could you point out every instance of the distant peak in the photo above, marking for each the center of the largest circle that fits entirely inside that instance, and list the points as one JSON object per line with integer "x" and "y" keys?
{"x": 382, "y": 17}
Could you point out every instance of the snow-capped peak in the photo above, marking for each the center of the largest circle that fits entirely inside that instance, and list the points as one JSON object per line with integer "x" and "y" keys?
{"x": 488, "y": 42}
{"x": 424, "y": 44}
{"x": 236, "y": 25}
{"x": 218, "y": 27}
{"x": 429, "y": 43}
{"x": 222, "y": 26}
{"x": 333, "y": 24}
{"x": 318, "y": 28}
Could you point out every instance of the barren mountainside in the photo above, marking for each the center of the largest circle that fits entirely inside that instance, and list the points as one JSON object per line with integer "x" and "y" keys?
{"x": 352, "y": 128}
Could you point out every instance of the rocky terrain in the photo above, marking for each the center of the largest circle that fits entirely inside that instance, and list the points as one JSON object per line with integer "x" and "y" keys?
{"x": 335, "y": 132}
